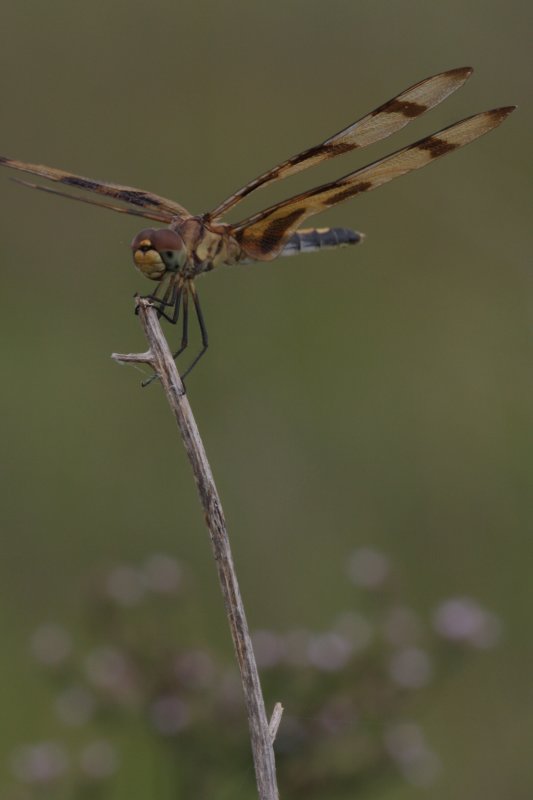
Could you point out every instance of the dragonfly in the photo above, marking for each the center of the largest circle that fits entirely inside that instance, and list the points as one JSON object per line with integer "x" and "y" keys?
{"x": 175, "y": 255}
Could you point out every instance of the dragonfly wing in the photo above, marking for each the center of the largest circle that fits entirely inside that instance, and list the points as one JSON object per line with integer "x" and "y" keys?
{"x": 380, "y": 123}
{"x": 143, "y": 201}
{"x": 264, "y": 235}
{"x": 136, "y": 212}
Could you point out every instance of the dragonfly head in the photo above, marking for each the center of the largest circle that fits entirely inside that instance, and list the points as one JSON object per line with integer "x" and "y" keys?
{"x": 157, "y": 251}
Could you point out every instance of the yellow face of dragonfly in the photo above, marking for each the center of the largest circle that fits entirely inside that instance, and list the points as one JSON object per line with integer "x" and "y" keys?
{"x": 157, "y": 251}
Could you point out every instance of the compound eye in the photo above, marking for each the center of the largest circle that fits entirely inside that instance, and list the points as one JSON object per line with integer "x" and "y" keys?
{"x": 144, "y": 241}
{"x": 170, "y": 247}
{"x": 166, "y": 242}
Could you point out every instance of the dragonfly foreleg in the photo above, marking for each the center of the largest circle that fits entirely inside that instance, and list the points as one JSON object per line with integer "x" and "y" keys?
{"x": 175, "y": 301}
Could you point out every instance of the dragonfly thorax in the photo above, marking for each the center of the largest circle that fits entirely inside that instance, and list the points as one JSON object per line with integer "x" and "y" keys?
{"x": 157, "y": 251}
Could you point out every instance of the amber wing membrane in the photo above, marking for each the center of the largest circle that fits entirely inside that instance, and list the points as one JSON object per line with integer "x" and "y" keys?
{"x": 140, "y": 202}
{"x": 390, "y": 117}
{"x": 264, "y": 235}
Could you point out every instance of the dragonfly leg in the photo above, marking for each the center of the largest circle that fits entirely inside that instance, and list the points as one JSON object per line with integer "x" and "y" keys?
{"x": 177, "y": 293}
{"x": 184, "y": 327}
{"x": 203, "y": 330}
{"x": 175, "y": 301}
{"x": 174, "y": 292}
{"x": 153, "y": 298}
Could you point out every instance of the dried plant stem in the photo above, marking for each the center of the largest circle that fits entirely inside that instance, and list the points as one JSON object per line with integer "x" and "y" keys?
{"x": 262, "y": 733}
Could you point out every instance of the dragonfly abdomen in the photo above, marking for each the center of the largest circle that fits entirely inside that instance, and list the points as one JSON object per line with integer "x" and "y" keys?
{"x": 312, "y": 239}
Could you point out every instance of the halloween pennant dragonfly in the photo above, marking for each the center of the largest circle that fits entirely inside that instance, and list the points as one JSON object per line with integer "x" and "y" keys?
{"x": 174, "y": 256}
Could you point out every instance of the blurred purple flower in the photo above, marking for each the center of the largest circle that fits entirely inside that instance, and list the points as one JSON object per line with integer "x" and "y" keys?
{"x": 108, "y": 669}
{"x": 99, "y": 760}
{"x": 424, "y": 770}
{"x": 410, "y": 668}
{"x": 296, "y": 644}
{"x": 406, "y": 744}
{"x": 18, "y": 792}
{"x": 337, "y": 716}
{"x": 41, "y": 763}
{"x": 356, "y": 629}
{"x": 402, "y": 626}
{"x": 162, "y": 574}
{"x": 195, "y": 669}
{"x": 329, "y": 651}
{"x": 125, "y": 585}
{"x": 368, "y": 568}
{"x": 169, "y": 714}
{"x": 75, "y": 706}
{"x": 51, "y": 645}
{"x": 269, "y": 647}
{"x": 463, "y": 619}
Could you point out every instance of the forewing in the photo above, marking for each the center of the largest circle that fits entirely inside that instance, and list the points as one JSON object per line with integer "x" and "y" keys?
{"x": 264, "y": 235}
{"x": 146, "y": 204}
{"x": 380, "y": 123}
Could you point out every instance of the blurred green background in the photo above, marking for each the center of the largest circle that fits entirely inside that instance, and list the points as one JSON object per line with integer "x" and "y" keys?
{"x": 373, "y": 396}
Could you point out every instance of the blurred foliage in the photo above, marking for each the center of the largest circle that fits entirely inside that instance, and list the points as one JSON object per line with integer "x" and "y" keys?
{"x": 350, "y": 691}
{"x": 380, "y": 395}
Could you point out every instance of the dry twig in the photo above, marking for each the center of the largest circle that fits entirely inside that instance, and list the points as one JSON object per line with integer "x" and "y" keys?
{"x": 262, "y": 734}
